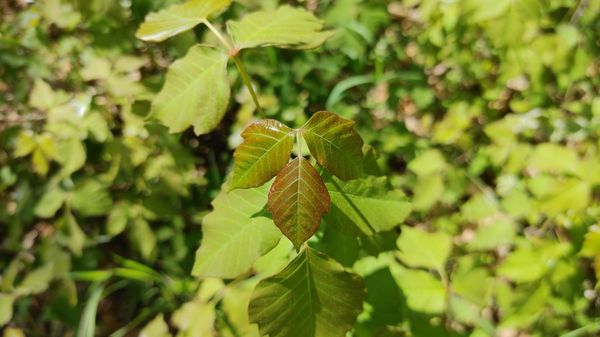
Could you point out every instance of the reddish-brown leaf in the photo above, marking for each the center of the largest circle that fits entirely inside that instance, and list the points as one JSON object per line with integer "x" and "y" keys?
{"x": 298, "y": 199}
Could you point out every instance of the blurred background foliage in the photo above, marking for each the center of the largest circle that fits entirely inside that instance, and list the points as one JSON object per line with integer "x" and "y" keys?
{"x": 485, "y": 112}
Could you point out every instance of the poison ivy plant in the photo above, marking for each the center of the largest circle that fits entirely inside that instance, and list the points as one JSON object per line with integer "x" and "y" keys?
{"x": 244, "y": 223}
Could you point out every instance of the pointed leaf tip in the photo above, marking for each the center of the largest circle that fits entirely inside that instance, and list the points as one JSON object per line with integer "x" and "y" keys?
{"x": 168, "y": 22}
{"x": 335, "y": 144}
{"x": 266, "y": 149}
{"x": 298, "y": 199}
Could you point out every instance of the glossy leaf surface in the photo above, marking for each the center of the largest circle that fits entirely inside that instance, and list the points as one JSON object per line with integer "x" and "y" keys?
{"x": 312, "y": 297}
{"x": 284, "y": 27}
{"x": 235, "y": 234}
{"x": 298, "y": 199}
{"x": 195, "y": 93}
{"x": 335, "y": 144}
{"x": 365, "y": 206}
{"x": 265, "y": 151}
{"x": 178, "y": 18}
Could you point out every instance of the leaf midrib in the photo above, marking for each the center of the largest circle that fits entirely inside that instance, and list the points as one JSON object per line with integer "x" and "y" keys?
{"x": 263, "y": 155}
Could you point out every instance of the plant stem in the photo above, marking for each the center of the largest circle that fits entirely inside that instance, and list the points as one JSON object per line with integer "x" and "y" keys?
{"x": 233, "y": 52}
{"x": 218, "y": 34}
{"x": 246, "y": 79}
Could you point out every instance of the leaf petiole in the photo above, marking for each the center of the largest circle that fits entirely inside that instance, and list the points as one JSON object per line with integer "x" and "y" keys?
{"x": 233, "y": 52}
{"x": 219, "y": 36}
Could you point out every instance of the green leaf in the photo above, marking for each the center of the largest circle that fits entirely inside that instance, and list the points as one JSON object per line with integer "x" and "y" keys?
{"x": 423, "y": 249}
{"x": 365, "y": 206}
{"x": 51, "y": 201}
{"x": 195, "y": 93}
{"x": 335, "y": 144}
{"x": 312, "y": 297}
{"x": 550, "y": 157}
{"x": 118, "y": 218}
{"x": 36, "y": 281}
{"x": 423, "y": 292}
{"x": 298, "y": 199}
{"x": 25, "y": 144}
{"x": 71, "y": 156}
{"x": 75, "y": 235}
{"x": 142, "y": 236}
{"x": 266, "y": 149}
{"x": 522, "y": 265}
{"x": 6, "y": 308}
{"x": 235, "y": 234}
{"x": 284, "y": 27}
{"x": 156, "y": 328}
{"x": 178, "y": 18}
{"x": 91, "y": 198}
{"x": 42, "y": 96}
{"x": 428, "y": 163}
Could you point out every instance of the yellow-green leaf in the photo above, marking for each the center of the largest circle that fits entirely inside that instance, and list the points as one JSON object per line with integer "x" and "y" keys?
{"x": 335, "y": 144}
{"x": 195, "y": 93}
{"x": 6, "y": 308}
{"x": 178, "y": 18}
{"x": 298, "y": 199}
{"x": 284, "y": 27}
{"x": 265, "y": 151}
{"x": 235, "y": 234}
{"x": 419, "y": 248}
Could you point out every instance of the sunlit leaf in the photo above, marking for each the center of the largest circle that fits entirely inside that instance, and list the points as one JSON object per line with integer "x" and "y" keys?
{"x": 142, "y": 236}
{"x": 91, "y": 198}
{"x": 365, "y": 206}
{"x": 6, "y": 308}
{"x": 312, "y": 297}
{"x": 71, "y": 155}
{"x": 423, "y": 291}
{"x": 195, "y": 93}
{"x": 284, "y": 27}
{"x": 265, "y": 151}
{"x": 178, "y": 18}
{"x": 298, "y": 199}
{"x": 156, "y": 328}
{"x": 36, "y": 281}
{"x": 419, "y": 248}
{"x": 335, "y": 144}
{"x": 25, "y": 143}
{"x": 235, "y": 234}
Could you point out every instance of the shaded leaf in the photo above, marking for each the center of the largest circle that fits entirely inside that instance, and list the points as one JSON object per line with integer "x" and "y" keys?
{"x": 284, "y": 27}
{"x": 195, "y": 93}
{"x": 335, "y": 144}
{"x": 312, "y": 297}
{"x": 423, "y": 249}
{"x": 266, "y": 149}
{"x": 235, "y": 234}
{"x": 365, "y": 206}
{"x": 176, "y": 19}
{"x": 298, "y": 199}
